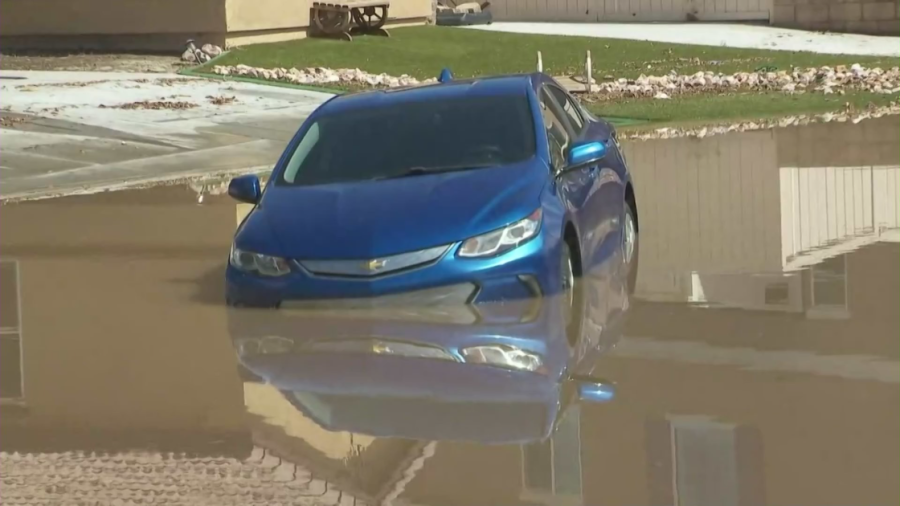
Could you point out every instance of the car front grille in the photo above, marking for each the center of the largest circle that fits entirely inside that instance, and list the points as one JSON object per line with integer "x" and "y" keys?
{"x": 368, "y": 268}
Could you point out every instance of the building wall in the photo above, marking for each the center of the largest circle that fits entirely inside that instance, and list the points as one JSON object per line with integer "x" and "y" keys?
{"x": 877, "y": 17}
{"x": 635, "y": 10}
{"x": 164, "y": 25}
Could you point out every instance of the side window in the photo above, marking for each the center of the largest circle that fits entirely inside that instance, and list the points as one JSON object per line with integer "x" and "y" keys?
{"x": 569, "y": 107}
{"x": 557, "y": 136}
{"x": 309, "y": 141}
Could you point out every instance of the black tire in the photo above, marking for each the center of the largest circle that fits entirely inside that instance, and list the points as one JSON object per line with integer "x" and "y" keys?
{"x": 571, "y": 296}
{"x": 630, "y": 264}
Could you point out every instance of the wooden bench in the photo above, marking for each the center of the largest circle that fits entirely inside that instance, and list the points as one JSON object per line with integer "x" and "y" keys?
{"x": 342, "y": 19}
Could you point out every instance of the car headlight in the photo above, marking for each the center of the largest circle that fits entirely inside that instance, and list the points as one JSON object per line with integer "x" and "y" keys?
{"x": 264, "y": 265}
{"x": 508, "y": 357}
{"x": 502, "y": 240}
{"x": 269, "y": 345}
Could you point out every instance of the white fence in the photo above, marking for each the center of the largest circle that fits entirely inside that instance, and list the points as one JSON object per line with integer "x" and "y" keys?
{"x": 630, "y": 10}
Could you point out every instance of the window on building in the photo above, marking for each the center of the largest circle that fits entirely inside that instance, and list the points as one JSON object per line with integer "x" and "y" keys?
{"x": 704, "y": 463}
{"x": 12, "y": 384}
{"x": 551, "y": 469}
{"x": 828, "y": 293}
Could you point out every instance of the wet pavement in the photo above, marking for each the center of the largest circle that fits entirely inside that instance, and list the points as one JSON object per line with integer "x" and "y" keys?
{"x": 758, "y": 364}
{"x": 66, "y": 131}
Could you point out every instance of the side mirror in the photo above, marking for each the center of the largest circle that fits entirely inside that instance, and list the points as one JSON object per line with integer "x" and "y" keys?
{"x": 593, "y": 391}
{"x": 584, "y": 153}
{"x": 245, "y": 189}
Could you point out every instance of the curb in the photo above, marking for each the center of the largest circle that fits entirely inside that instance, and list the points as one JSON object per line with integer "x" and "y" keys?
{"x": 130, "y": 184}
{"x": 197, "y": 72}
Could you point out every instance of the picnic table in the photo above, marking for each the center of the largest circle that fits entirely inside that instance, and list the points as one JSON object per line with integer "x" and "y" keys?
{"x": 343, "y": 19}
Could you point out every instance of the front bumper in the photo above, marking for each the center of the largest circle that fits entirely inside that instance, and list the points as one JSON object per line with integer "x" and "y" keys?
{"x": 527, "y": 272}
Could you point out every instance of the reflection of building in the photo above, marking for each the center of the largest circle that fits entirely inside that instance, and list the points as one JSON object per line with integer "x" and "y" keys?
{"x": 12, "y": 382}
{"x": 734, "y": 220}
{"x": 114, "y": 339}
{"x": 715, "y": 406}
{"x": 107, "y": 325}
{"x": 725, "y": 406}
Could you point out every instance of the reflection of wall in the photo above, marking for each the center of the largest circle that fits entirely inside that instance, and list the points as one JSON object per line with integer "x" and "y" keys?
{"x": 799, "y": 438}
{"x": 733, "y": 207}
{"x": 541, "y": 473}
{"x": 771, "y": 292}
{"x": 822, "y": 207}
{"x": 12, "y": 380}
{"x": 269, "y": 404}
{"x": 792, "y": 442}
{"x": 870, "y": 142}
{"x": 120, "y": 301}
{"x": 706, "y": 205}
{"x": 870, "y": 298}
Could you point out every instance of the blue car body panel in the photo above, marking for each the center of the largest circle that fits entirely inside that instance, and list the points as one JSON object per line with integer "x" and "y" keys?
{"x": 372, "y": 219}
{"x": 361, "y": 220}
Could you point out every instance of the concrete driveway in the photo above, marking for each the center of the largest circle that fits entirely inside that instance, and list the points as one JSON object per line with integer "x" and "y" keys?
{"x": 65, "y": 131}
{"x": 717, "y": 34}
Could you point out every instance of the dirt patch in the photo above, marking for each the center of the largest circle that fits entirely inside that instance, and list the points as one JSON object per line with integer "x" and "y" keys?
{"x": 221, "y": 100}
{"x": 153, "y": 105}
{"x": 91, "y": 62}
{"x": 10, "y": 121}
{"x": 166, "y": 81}
{"x": 75, "y": 84}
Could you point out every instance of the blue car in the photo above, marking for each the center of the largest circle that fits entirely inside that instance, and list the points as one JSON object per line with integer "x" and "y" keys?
{"x": 461, "y": 192}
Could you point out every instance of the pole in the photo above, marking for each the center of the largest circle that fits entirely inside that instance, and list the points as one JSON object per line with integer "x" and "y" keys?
{"x": 587, "y": 71}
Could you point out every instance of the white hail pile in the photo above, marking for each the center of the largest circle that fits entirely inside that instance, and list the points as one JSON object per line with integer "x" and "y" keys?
{"x": 320, "y": 76}
{"x": 748, "y": 126}
{"x": 825, "y": 80}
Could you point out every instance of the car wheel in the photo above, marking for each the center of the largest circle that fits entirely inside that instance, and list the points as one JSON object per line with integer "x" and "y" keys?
{"x": 570, "y": 295}
{"x": 630, "y": 248}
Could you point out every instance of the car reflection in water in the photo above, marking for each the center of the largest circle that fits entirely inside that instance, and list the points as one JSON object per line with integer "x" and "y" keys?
{"x": 498, "y": 374}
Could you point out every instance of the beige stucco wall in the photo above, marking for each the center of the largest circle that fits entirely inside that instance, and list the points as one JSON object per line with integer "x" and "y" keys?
{"x": 879, "y": 17}
{"x": 165, "y": 24}
{"x": 67, "y": 17}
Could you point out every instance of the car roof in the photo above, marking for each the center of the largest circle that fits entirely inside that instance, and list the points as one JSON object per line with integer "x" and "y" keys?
{"x": 509, "y": 85}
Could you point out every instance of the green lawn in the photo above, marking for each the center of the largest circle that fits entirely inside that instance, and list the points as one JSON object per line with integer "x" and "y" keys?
{"x": 423, "y": 51}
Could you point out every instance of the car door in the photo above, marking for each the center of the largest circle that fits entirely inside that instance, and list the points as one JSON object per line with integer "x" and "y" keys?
{"x": 605, "y": 199}
{"x": 576, "y": 189}
{"x": 574, "y": 186}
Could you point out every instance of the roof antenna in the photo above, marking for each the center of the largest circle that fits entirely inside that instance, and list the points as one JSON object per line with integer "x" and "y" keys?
{"x": 446, "y": 76}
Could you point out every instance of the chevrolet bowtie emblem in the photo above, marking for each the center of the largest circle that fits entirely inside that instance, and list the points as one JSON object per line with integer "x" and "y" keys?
{"x": 374, "y": 265}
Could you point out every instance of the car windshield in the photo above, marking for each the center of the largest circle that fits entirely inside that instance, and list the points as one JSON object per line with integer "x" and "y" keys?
{"x": 413, "y": 138}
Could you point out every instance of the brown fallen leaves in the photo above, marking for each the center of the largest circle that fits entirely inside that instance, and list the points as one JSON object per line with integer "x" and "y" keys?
{"x": 10, "y": 121}
{"x": 221, "y": 100}
{"x": 154, "y": 105}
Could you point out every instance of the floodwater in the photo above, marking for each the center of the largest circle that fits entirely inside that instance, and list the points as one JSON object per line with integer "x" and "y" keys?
{"x": 758, "y": 366}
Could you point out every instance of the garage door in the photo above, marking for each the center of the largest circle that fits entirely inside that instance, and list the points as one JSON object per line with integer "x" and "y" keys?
{"x": 630, "y": 10}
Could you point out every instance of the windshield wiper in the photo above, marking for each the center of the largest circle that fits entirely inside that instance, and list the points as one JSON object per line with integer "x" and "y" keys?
{"x": 422, "y": 171}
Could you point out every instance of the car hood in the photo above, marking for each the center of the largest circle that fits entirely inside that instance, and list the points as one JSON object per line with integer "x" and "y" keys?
{"x": 377, "y": 218}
